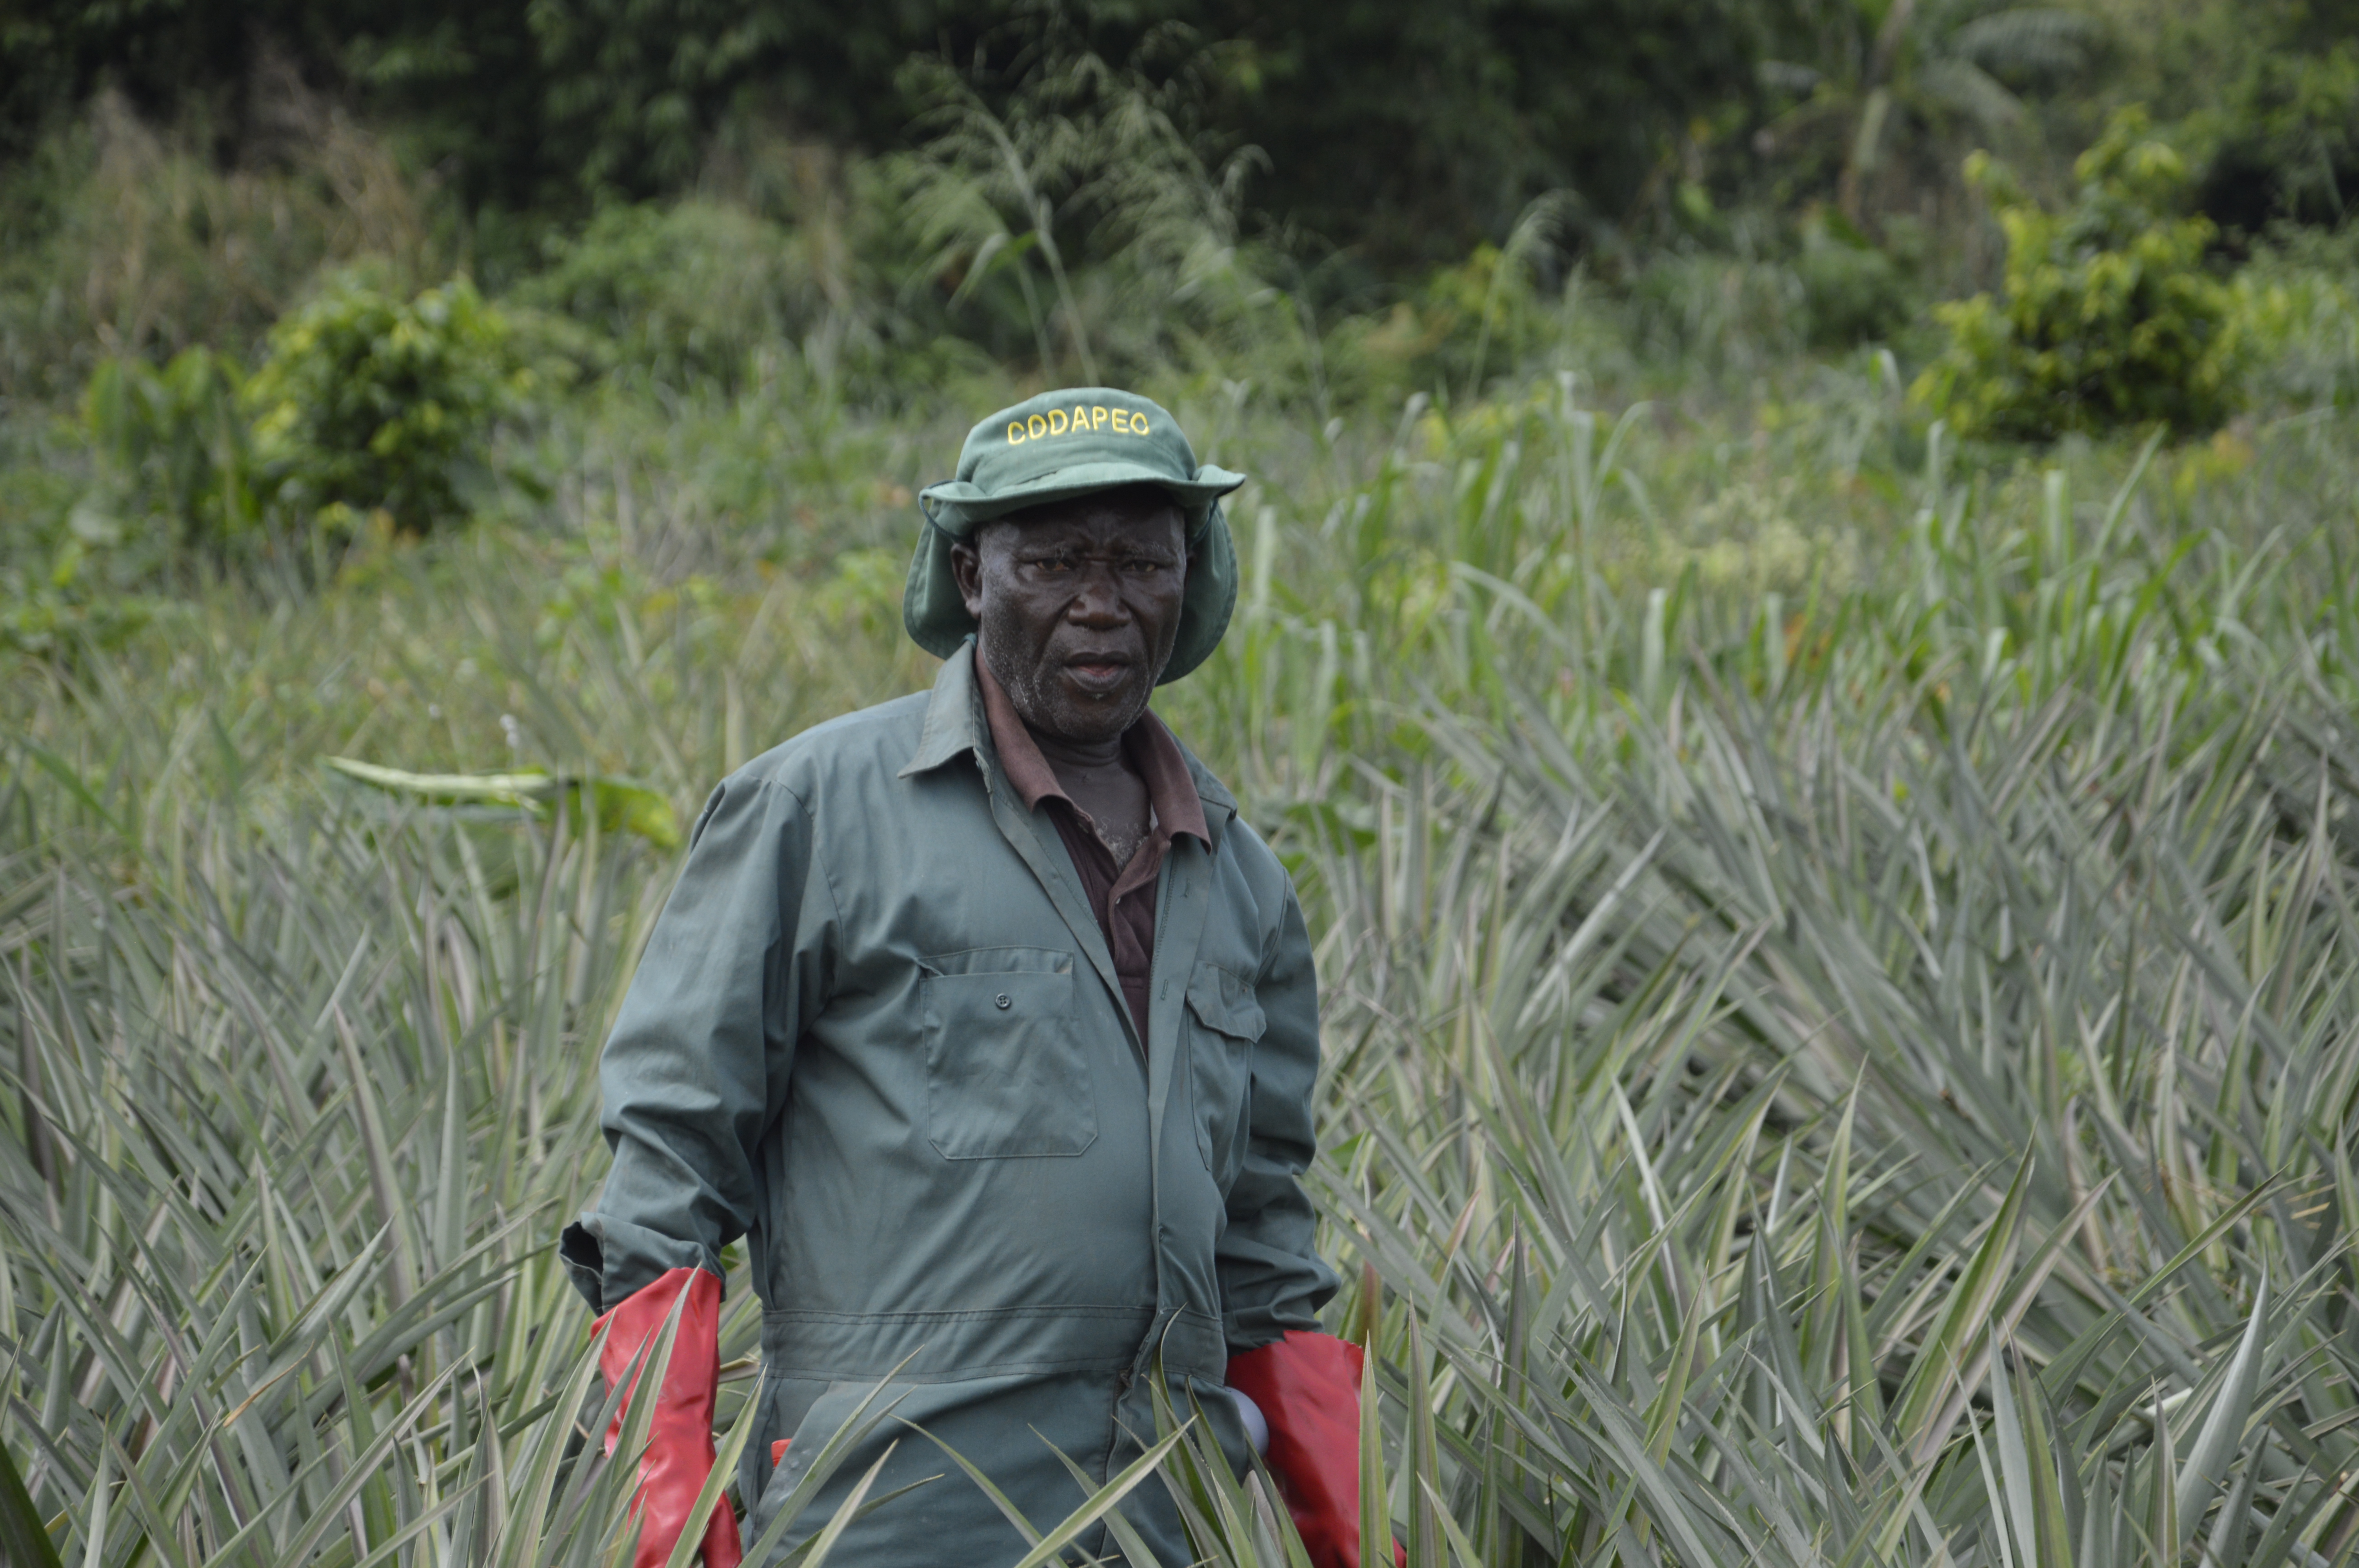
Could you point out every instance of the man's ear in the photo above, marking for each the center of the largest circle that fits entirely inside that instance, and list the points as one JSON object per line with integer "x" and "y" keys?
{"x": 966, "y": 570}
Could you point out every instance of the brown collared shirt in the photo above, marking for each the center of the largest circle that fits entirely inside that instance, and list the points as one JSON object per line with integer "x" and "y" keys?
{"x": 1122, "y": 897}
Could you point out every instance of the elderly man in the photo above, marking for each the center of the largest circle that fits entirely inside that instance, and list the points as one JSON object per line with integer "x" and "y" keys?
{"x": 992, "y": 1026}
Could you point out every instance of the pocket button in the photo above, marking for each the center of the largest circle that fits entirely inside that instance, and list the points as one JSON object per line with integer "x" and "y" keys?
{"x": 1003, "y": 1001}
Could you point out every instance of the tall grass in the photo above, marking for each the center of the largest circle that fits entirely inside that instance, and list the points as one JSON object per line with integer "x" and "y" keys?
{"x": 1838, "y": 1002}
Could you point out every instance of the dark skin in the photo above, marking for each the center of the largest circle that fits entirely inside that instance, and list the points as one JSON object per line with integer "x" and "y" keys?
{"x": 1077, "y": 605}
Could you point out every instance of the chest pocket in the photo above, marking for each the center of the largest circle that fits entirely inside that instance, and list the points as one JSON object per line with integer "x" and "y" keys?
{"x": 1006, "y": 1076}
{"x": 1224, "y": 1021}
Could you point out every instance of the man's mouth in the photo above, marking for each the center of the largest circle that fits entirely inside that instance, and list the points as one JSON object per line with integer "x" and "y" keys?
{"x": 1099, "y": 674}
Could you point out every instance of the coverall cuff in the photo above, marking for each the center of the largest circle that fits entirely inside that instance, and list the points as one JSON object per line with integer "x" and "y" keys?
{"x": 610, "y": 1261}
{"x": 1252, "y": 1328}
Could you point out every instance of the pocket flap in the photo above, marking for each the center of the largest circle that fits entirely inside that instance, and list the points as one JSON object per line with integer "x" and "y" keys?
{"x": 1225, "y": 1003}
{"x": 1007, "y": 1076}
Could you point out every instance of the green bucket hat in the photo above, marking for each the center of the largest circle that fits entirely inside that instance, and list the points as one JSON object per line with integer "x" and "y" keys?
{"x": 1055, "y": 447}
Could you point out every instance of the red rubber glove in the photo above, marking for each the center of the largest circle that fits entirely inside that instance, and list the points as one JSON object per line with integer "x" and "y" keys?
{"x": 1307, "y": 1386}
{"x": 679, "y": 1437}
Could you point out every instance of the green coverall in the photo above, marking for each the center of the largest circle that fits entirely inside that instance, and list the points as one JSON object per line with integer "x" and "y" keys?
{"x": 877, "y": 1030}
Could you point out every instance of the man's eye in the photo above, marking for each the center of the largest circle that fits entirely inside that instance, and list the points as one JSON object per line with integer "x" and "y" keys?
{"x": 1140, "y": 566}
{"x": 1052, "y": 563}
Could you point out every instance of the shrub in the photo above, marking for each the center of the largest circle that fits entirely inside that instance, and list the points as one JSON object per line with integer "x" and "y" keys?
{"x": 1716, "y": 314}
{"x": 685, "y": 292}
{"x": 2110, "y": 315}
{"x": 2298, "y": 308}
{"x": 60, "y": 613}
{"x": 367, "y": 403}
{"x": 1852, "y": 290}
{"x": 171, "y": 447}
{"x": 126, "y": 238}
{"x": 2285, "y": 144}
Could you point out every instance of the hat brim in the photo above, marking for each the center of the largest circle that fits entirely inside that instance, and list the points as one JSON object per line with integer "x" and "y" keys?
{"x": 958, "y": 507}
{"x": 935, "y": 611}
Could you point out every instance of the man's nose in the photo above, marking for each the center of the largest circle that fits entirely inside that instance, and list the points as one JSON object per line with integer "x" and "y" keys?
{"x": 1097, "y": 599}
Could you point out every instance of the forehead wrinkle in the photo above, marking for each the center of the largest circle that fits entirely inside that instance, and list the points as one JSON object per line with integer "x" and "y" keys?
{"x": 1097, "y": 526}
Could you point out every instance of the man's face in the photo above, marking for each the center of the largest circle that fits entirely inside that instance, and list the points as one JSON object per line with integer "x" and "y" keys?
{"x": 1079, "y": 605}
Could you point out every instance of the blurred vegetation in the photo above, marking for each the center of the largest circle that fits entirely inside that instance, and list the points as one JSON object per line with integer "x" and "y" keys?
{"x": 1834, "y": 906}
{"x": 1389, "y": 125}
{"x": 171, "y": 453}
{"x": 2110, "y": 314}
{"x": 1833, "y": 959}
{"x": 364, "y": 401}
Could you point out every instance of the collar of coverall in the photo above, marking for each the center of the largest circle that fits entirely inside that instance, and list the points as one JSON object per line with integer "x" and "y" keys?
{"x": 956, "y": 726}
{"x": 1152, "y": 750}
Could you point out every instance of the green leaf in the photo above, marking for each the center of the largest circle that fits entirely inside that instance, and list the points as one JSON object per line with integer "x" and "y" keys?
{"x": 1943, "y": 1360}
{"x": 620, "y": 805}
{"x": 2223, "y": 1428}
{"x": 23, "y": 1537}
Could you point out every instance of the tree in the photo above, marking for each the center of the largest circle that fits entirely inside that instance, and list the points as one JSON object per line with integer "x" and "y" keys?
{"x": 1402, "y": 130}
{"x": 1895, "y": 86}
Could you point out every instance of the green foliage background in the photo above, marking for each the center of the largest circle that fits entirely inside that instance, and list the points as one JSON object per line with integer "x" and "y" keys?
{"x": 1386, "y": 123}
{"x": 1835, "y": 904}
{"x": 364, "y": 401}
{"x": 2110, "y": 317}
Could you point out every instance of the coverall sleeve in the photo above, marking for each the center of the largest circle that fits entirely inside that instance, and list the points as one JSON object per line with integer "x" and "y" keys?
{"x": 1271, "y": 1280}
{"x": 696, "y": 1069}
